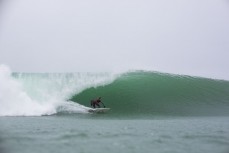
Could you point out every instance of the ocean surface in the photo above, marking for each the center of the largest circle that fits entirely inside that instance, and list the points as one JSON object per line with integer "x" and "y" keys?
{"x": 150, "y": 112}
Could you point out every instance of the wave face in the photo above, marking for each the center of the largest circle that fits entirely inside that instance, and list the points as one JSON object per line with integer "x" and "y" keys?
{"x": 150, "y": 93}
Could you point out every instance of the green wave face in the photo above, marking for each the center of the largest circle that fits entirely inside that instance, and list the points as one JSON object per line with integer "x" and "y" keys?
{"x": 150, "y": 93}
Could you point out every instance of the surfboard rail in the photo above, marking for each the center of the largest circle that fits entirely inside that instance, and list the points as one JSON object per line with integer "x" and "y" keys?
{"x": 98, "y": 110}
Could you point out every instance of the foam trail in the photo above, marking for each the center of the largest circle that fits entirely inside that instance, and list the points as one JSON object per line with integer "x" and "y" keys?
{"x": 23, "y": 94}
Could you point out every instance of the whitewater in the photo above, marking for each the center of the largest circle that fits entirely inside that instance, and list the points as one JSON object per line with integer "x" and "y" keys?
{"x": 25, "y": 94}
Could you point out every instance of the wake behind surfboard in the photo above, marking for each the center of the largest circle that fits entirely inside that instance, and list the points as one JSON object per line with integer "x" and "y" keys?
{"x": 98, "y": 110}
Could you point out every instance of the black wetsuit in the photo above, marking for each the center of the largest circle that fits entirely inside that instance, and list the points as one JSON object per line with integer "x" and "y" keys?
{"x": 95, "y": 103}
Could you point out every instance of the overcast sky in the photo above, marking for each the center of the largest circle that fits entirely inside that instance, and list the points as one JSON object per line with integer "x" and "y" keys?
{"x": 176, "y": 36}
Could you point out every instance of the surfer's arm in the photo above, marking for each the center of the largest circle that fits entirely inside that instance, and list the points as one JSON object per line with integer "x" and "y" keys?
{"x": 103, "y": 104}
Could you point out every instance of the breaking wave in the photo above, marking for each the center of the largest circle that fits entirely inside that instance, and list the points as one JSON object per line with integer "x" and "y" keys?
{"x": 31, "y": 94}
{"x": 130, "y": 94}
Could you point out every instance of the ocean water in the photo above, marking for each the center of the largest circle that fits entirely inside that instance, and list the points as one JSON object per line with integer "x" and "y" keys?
{"x": 150, "y": 112}
{"x": 73, "y": 133}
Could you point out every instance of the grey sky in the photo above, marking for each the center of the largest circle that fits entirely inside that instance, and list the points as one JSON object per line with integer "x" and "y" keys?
{"x": 178, "y": 36}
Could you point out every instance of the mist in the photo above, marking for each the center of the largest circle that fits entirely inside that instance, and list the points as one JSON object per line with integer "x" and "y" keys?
{"x": 182, "y": 37}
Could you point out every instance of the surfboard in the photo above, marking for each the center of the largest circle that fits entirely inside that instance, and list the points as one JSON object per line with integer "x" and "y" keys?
{"x": 98, "y": 110}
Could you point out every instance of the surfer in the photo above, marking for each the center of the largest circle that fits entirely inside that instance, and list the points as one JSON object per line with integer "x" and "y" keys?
{"x": 96, "y": 102}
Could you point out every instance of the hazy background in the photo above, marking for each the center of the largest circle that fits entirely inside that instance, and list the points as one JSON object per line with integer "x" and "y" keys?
{"x": 178, "y": 36}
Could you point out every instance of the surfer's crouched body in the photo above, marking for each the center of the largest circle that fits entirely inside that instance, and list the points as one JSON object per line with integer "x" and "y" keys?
{"x": 96, "y": 102}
